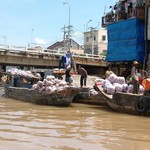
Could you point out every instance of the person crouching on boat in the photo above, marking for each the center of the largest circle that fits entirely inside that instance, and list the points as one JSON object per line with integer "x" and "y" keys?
{"x": 135, "y": 78}
{"x": 108, "y": 73}
{"x": 68, "y": 78}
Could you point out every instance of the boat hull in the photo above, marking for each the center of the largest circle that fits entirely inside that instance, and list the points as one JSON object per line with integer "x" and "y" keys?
{"x": 127, "y": 102}
{"x": 85, "y": 98}
{"x": 61, "y": 98}
{"x": 130, "y": 103}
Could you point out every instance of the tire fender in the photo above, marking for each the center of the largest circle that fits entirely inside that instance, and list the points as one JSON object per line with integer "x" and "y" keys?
{"x": 141, "y": 105}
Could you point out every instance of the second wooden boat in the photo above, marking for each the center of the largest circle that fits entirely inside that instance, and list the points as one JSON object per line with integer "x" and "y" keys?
{"x": 85, "y": 97}
{"x": 128, "y": 103}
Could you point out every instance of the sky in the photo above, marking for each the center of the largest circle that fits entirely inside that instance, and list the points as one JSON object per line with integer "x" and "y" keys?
{"x": 23, "y": 22}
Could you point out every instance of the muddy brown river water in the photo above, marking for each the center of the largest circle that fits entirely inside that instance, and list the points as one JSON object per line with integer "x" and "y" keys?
{"x": 25, "y": 126}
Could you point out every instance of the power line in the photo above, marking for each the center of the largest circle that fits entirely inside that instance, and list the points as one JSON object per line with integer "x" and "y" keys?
{"x": 77, "y": 29}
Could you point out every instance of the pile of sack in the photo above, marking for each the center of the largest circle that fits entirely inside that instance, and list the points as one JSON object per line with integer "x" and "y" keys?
{"x": 115, "y": 84}
{"x": 50, "y": 84}
{"x": 19, "y": 72}
{"x": 92, "y": 91}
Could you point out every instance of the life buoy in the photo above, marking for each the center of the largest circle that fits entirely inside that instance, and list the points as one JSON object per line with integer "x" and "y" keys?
{"x": 141, "y": 105}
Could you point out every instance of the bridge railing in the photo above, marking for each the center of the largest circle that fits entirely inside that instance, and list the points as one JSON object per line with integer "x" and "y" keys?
{"x": 11, "y": 48}
{"x": 21, "y": 49}
{"x": 60, "y": 53}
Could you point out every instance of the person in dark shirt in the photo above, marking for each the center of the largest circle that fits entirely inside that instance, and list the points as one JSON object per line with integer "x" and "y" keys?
{"x": 62, "y": 61}
{"x": 134, "y": 75}
{"x": 83, "y": 74}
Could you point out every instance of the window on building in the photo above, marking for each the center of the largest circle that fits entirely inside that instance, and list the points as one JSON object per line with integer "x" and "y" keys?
{"x": 94, "y": 37}
{"x": 103, "y": 37}
{"x": 87, "y": 39}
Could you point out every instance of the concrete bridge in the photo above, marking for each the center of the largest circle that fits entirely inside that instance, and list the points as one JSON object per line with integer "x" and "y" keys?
{"x": 21, "y": 56}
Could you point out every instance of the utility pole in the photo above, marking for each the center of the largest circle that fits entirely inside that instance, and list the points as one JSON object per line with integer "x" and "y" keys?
{"x": 92, "y": 39}
{"x": 4, "y": 37}
{"x": 69, "y": 28}
{"x": 68, "y": 36}
{"x": 64, "y": 30}
{"x": 32, "y": 30}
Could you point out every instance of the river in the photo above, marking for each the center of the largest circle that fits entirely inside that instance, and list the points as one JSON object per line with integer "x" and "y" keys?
{"x": 25, "y": 126}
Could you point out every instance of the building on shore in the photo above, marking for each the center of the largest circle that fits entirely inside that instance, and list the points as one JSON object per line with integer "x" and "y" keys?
{"x": 95, "y": 41}
{"x": 61, "y": 45}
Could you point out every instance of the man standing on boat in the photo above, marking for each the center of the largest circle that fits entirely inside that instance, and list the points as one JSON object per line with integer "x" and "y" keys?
{"x": 83, "y": 74}
{"x": 134, "y": 76}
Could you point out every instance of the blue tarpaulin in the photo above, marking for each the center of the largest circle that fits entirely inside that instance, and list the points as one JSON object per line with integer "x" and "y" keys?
{"x": 126, "y": 41}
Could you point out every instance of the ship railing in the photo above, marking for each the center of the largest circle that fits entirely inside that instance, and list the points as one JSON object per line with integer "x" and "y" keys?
{"x": 111, "y": 17}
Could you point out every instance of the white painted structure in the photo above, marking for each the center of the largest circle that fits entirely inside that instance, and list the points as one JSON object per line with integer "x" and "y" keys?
{"x": 95, "y": 41}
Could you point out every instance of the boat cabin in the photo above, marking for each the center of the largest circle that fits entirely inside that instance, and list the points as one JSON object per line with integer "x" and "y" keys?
{"x": 124, "y": 9}
{"x": 21, "y": 81}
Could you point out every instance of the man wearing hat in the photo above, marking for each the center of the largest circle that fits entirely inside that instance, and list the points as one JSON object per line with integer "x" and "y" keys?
{"x": 134, "y": 76}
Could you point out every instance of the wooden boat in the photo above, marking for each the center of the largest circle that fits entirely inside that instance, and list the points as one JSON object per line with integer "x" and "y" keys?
{"x": 61, "y": 98}
{"x": 85, "y": 98}
{"x": 128, "y": 103}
